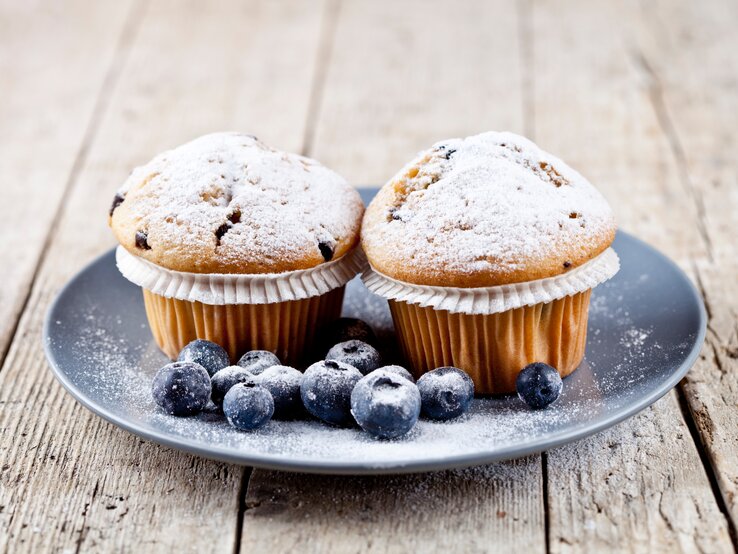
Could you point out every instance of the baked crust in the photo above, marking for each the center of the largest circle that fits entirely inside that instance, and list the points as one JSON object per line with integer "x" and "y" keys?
{"x": 487, "y": 210}
{"x": 227, "y": 203}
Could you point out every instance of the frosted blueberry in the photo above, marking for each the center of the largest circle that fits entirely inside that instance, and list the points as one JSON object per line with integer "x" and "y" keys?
{"x": 538, "y": 385}
{"x": 398, "y": 370}
{"x": 209, "y": 355}
{"x": 247, "y": 406}
{"x": 283, "y": 383}
{"x": 257, "y": 361}
{"x": 326, "y": 391}
{"x": 445, "y": 392}
{"x": 225, "y": 379}
{"x": 359, "y": 354}
{"x": 181, "y": 388}
{"x": 385, "y": 404}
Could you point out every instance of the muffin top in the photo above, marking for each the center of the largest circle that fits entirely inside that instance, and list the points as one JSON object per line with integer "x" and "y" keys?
{"x": 227, "y": 203}
{"x": 487, "y": 210}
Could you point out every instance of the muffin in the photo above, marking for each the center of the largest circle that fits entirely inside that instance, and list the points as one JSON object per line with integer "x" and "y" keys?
{"x": 487, "y": 249}
{"x": 238, "y": 243}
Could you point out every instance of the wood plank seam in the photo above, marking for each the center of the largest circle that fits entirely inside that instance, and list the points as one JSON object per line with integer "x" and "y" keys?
{"x": 325, "y": 50}
{"x": 705, "y": 458}
{"x": 712, "y": 341}
{"x": 245, "y": 478}
{"x": 133, "y": 19}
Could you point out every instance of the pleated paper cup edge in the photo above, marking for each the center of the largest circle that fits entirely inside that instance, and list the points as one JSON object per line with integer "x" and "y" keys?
{"x": 500, "y": 298}
{"x": 225, "y": 289}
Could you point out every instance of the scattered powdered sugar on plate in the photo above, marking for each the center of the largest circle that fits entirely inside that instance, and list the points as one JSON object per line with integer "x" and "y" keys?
{"x": 108, "y": 359}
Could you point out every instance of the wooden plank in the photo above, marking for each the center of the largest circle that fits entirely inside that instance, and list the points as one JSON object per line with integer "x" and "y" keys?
{"x": 640, "y": 486}
{"x": 396, "y": 85}
{"x": 480, "y": 509}
{"x": 699, "y": 101}
{"x": 53, "y": 71}
{"x": 69, "y": 481}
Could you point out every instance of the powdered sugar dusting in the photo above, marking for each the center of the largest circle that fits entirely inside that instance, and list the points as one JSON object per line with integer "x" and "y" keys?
{"x": 636, "y": 342}
{"x": 226, "y": 200}
{"x": 492, "y": 203}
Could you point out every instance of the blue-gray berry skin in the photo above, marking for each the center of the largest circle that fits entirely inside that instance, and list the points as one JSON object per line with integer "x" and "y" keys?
{"x": 247, "y": 406}
{"x": 361, "y": 355}
{"x": 445, "y": 393}
{"x": 181, "y": 388}
{"x": 538, "y": 385}
{"x": 209, "y": 355}
{"x": 343, "y": 329}
{"x": 385, "y": 404}
{"x": 225, "y": 379}
{"x": 283, "y": 383}
{"x": 326, "y": 391}
{"x": 257, "y": 361}
{"x": 399, "y": 370}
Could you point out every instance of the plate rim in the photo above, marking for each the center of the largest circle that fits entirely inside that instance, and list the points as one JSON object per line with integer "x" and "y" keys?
{"x": 283, "y": 463}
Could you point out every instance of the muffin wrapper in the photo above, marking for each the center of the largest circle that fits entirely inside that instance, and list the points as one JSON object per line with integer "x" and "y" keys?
{"x": 228, "y": 289}
{"x": 285, "y": 328}
{"x": 497, "y": 299}
{"x": 276, "y": 312}
{"x": 493, "y": 332}
{"x": 493, "y": 348}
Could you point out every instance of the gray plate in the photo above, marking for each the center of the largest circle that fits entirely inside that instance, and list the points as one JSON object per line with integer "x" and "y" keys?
{"x": 646, "y": 328}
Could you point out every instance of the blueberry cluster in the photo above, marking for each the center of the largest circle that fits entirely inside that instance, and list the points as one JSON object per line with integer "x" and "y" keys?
{"x": 250, "y": 393}
{"x": 350, "y": 386}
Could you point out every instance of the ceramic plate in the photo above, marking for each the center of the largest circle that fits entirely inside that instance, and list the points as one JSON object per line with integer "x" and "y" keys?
{"x": 646, "y": 327}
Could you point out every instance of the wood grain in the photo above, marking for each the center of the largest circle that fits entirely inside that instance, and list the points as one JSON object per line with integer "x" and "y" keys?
{"x": 698, "y": 92}
{"x": 640, "y": 96}
{"x": 70, "y": 481}
{"x": 55, "y": 74}
{"x": 391, "y": 89}
{"x": 395, "y": 85}
{"x": 642, "y": 485}
{"x": 482, "y": 509}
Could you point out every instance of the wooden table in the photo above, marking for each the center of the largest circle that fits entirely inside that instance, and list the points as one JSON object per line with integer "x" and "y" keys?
{"x": 641, "y": 97}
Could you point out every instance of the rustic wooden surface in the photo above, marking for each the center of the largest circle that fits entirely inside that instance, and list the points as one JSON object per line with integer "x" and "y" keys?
{"x": 642, "y": 97}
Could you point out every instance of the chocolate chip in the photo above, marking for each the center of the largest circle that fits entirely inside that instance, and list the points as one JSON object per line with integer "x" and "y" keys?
{"x": 327, "y": 250}
{"x": 567, "y": 264}
{"x": 235, "y": 217}
{"x": 142, "y": 240}
{"x": 222, "y": 230}
{"x": 117, "y": 201}
{"x": 449, "y": 153}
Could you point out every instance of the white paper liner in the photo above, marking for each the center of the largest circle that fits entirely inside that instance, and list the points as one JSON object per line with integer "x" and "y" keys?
{"x": 490, "y": 300}
{"x": 226, "y": 289}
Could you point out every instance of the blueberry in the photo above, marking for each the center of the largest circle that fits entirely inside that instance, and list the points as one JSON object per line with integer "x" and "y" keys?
{"x": 538, "y": 385}
{"x": 225, "y": 379}
{"x": 247, "y": 406}
{"x": 361, "y": 355}
{"x": 208, "y": 354}
{"x": 181, "y": 388}
{"x": 343, "y": 329}
{"x": 326, "y": 391}
{"x": 398, "y": 370}
{"x": 385, "y": 404}
{"x": 446, "y": 393}
{"x": 283, "y": 383}
{"x": 257, "y": 361}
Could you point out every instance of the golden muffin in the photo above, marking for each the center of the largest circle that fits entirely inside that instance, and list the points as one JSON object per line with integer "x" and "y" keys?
{"x": 487, "y": 249}
{"x": 238, "y": 243}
